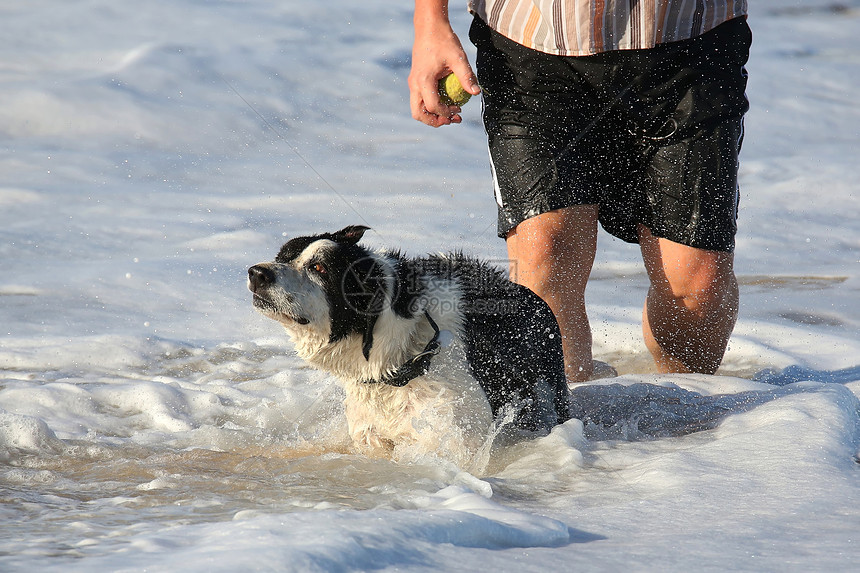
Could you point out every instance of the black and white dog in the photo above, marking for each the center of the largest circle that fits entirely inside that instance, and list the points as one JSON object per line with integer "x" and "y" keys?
{"x": 430, "y": 351}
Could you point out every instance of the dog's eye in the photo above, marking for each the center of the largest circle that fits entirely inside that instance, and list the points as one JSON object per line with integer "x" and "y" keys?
{"x": 318, "y": 267}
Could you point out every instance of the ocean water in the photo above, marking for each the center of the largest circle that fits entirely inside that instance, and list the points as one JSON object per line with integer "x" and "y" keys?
{"x": 151, "y": 420}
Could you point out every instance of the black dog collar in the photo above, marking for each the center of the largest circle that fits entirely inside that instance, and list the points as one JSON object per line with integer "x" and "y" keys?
{"x": 416, "y": 366}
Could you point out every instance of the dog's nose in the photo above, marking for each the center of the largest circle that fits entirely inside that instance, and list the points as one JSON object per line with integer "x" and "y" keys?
{"x": 260, "y": 276}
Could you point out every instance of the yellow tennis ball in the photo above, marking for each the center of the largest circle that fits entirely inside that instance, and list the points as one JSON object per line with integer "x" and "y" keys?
{"x": 451, "y": 92}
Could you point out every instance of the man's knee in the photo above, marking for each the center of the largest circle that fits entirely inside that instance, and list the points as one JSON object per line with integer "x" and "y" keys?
{"x": 561, "y": 243}
{"x": 705, "y": 286}
{"x": 700, "y": 279}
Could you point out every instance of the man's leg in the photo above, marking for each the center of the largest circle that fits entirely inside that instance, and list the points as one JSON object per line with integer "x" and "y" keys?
{"x": 552, "y": 254}
{"x": 691, "y": 307}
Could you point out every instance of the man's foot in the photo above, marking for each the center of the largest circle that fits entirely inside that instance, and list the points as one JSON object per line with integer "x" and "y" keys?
{"x": 602, "y": 370}
{"x": 599, "y": 370}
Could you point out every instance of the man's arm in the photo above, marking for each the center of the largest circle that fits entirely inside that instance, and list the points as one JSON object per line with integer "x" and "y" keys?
{"x": 436, "y": 52}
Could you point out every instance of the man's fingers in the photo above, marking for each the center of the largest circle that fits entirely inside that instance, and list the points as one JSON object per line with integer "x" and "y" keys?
{"x": 436, "y": 120}
{"x": 427, "y": 107}
{"x": 467, "y": 76}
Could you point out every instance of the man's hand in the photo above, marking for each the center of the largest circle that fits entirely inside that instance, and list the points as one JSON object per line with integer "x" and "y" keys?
{"x": 436, "y": 53}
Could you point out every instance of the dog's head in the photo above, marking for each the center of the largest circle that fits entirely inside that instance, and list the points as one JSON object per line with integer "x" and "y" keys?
{"x": 324, "y": 287}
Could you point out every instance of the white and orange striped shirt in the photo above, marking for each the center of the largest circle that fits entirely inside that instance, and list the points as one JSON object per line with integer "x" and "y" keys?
{"x": 584, "y": 27}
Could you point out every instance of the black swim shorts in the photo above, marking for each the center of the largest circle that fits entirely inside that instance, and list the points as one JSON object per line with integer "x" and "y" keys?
{"x": 651, "y": 136}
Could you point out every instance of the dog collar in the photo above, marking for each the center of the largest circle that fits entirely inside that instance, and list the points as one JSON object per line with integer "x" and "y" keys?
{"x": 416, "y": 366}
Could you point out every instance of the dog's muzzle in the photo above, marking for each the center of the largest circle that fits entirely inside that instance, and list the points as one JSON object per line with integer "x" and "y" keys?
{"x": 259, "y": 278}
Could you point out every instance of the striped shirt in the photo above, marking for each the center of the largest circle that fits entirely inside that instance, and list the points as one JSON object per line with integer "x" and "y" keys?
{"x": 583, "y": 27}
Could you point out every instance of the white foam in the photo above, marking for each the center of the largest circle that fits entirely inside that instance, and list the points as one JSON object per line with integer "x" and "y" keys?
{"x": 25, "y": 435}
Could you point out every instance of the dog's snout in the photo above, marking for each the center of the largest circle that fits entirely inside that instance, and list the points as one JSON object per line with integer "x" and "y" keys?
{"x": 259, "y": 277}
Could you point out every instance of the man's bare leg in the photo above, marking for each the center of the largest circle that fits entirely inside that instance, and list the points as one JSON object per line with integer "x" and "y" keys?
{"x": 552, "y": 254}
{"x": 691, "y": 307}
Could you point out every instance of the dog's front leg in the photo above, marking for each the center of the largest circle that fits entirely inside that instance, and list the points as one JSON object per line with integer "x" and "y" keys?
{"x": 363, "y": 430}
{"x": 368, "y": 441}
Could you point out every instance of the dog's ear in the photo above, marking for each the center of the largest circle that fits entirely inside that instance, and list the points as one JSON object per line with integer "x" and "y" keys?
{"x": 367, "y": 338}
{"x": 373, "y": 310}
{"x": 349, "y": 235}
